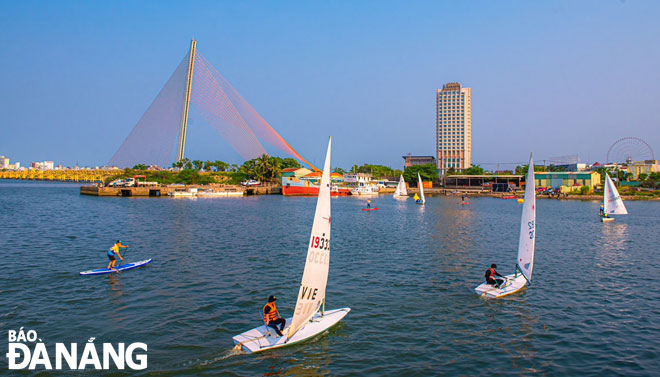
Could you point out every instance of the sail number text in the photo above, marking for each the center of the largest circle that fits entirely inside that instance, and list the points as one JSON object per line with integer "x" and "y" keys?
{"x": 320, "y": 243}
{"x": 318, "y": 252}
{"x": 531, "y": 226}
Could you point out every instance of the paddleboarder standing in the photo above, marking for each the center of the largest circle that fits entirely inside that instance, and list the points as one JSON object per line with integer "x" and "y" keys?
{"x": 271, "y": 316}
{"x": 368, "y": 203}
{"x": 114, "y": 250}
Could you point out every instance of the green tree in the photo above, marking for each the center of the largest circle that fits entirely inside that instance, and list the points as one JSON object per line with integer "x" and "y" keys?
{"x": 642, "y": 177}
{"x": 523, "y": 169}
{"x": 428, "y": 172}
{"x": 140, "y": 167}
{"x": 198, "y": 164}
{"x": 555, "y": 168}
{"x": 339, "y": 170}
{"x": 474, "y": 170}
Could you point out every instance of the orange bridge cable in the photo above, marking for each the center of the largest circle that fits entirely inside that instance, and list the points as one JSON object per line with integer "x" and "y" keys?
{"x": 211, "y": 110}
{"x": 268, "y": 130}
{"x": 221, "y": 108}
{"x": 213, "y": 92}
{"x": 240, "y": 143}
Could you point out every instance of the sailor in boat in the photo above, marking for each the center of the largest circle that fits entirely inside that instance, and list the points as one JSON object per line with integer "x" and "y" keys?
{"x": 114, "y": 251}
{"x": 602, "y": 211}
{"x": 271, "y": 317}
{"x": 368, "y": 203}
{"x": 490, "y": 276}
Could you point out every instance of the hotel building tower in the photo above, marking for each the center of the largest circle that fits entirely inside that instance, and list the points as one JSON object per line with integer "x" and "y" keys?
{"x": 454, "y": 127}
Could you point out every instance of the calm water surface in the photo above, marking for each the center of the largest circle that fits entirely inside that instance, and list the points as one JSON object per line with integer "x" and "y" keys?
{"x": 406, "y": 271}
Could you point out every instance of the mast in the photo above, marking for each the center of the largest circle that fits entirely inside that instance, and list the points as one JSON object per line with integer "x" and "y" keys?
{"x": 186, "y": 103}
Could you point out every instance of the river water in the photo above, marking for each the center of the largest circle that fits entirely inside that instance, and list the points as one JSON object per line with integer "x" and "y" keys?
{"x": 406, "y": 271}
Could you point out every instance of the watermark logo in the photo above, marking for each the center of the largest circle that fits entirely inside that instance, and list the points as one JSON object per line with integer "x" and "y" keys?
{"x": 28, "y": 351}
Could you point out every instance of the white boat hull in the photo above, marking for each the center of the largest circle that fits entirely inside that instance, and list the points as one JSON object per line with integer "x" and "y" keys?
{"x": 220, "y": 194}
{"x": 512, "y": 285}
{"x": 400, "y": 196}
{"x": 606, "y": 219}
{"x": 264, "y": 338}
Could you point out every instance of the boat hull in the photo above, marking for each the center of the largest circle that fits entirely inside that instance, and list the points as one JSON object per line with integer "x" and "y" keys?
{"x": 512, "y": 285}
{"x": 403, "y": 197}
{"x": 264, "y": 338}
{"x": 606, "y": 219}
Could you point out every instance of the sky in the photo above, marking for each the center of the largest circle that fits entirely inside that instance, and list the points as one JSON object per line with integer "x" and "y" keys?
{"x": 554, "y": 78}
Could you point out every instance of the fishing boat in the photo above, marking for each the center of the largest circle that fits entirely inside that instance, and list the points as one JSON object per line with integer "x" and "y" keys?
{"x": 401, "y": 192}
{"x": 420, "y": 199}
{"x": 227, "y": 192}
{"x": 612, "y": 203}
{"x": 190, "y": 193}
{"x": 365, "y": 190}
{"x": 525, "y": 261}
{"x": 310, "y": 317}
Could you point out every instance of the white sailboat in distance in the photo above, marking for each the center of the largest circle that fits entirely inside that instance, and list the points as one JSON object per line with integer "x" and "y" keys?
{"x": 420, "y": 199}
{"x": 612, "y": 203}
{"x": 525, "y": 261}
{"x": 401, "y": 192}
{"x": 310, "y": 317}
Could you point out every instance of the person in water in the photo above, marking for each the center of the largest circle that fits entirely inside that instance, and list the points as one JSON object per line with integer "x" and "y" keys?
{"x": 490, "y": 276}
{"x": 368, "y": 203}
{"x": 113, "y": 253}
{"x": 272, "y": 317}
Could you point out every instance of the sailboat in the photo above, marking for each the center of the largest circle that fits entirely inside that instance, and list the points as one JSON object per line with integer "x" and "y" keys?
{"x": 612, "y": 203}
{"x": 420, "y": 199}
{"x": 401, "y": 192}
{"x": 525, "y": 261}
{"x": 310, "y": 317}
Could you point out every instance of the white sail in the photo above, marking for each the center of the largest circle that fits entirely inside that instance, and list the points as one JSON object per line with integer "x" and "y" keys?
{"x": 612, "y": 203}
{"x": 315, "y": 275}
{"x": 421, "y": 189}
{"x": 401, "y": 188}
{"x": 528, "y": 226}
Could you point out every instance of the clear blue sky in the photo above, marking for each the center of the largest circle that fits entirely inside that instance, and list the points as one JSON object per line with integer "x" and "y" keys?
{"x": 555, "y": 78}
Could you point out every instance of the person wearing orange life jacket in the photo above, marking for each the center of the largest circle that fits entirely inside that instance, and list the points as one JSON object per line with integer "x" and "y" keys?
{"x": 490, "y": 276}
{"x": 272, "y": 317}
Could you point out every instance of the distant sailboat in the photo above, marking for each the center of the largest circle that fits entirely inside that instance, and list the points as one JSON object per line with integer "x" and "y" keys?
{"x": 525, "y": 261}
{"x": 307, "y": 321}
{"x": 420, "y": 199}
{"x": 401, "y": 192}
{"x": 612, "y": 203}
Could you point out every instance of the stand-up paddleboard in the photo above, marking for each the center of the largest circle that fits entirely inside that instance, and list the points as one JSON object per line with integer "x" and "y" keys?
{"x": 525, "y": 261}
{"x": 123, "y": 267}
{"x": 310, "y": 317}
{"x": 370, "y": 209}
{"x": 612, "y": 203}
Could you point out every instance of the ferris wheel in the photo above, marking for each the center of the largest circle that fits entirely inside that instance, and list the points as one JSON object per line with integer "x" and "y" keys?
{"x": 629, "y": 149}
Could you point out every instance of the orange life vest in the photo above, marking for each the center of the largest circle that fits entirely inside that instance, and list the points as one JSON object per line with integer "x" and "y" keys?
{"x": 272, "y": 314}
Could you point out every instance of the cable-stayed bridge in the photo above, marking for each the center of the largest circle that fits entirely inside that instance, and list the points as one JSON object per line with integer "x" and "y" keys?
{"x": 197, "y": 85}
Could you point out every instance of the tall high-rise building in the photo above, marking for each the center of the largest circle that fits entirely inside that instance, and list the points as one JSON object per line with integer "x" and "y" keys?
{"x": 453, "y": 127}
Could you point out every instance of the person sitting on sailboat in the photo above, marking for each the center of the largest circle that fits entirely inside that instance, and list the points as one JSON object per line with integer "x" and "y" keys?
{"x": 114, "y": 250}
{"x": 602, "y": 211}
{"x": 272, "y": 317}
{"x": 490, "y": 276}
